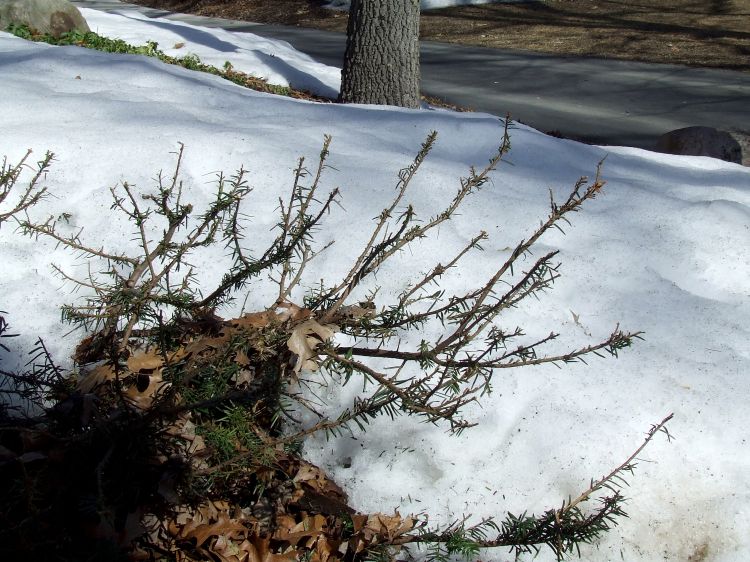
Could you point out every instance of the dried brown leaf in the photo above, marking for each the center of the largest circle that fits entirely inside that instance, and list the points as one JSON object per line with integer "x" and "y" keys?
{"x": 228, "y": 550}
{"x": 96, "y": 377}
{"x": 326, "y": 549}
{"x": 308, "y": 472}
{"x": 144, "y": 361}
{"x": 292, "y": 555}
{"x": 292, "y": 312}
{"x": 224, "y": 525}
{"x": 255, "y": 320}
{"x": 285, "y": 523}
{"x": 146, "y": 390}
{"x": 359, "y": 522}
{"x": 243, "y": 377}
{"x": 317, "y": 480}
{"x": 241, "y": 358}
{"x": 304, "y": 533}
{"x": 260, "y": 552}
{"x": 388, "y": 526}
{"x": 305, "y": 338}
{"x": 356, "y": 311}
{"x": 201, "y": 345}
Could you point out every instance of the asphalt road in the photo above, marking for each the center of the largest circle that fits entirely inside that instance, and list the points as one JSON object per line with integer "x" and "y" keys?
{"x": 594, "y": 100}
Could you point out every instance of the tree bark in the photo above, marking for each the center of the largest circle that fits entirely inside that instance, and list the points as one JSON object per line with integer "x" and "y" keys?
{"x": 381, "y": 63}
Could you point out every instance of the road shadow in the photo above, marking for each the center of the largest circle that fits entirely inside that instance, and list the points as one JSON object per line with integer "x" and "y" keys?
{"x": 622, "y": 18}
{"x": 698, "y": 33}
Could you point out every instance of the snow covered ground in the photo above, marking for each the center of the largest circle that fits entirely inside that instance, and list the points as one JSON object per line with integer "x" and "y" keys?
{"x": 665, "y": 250}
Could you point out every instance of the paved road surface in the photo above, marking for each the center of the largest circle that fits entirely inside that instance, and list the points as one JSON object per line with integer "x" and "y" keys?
{"x": 594, "y": 100}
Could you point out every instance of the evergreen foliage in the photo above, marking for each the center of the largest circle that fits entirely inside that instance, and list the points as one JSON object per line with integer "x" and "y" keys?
{"x": 175, "y": 437}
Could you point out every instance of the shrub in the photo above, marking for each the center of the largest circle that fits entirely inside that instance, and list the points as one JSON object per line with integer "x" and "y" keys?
{"x": 175, "y": 437}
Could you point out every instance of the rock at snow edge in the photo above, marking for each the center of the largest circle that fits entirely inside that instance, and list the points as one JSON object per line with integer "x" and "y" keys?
{"x": 47, "y": 16}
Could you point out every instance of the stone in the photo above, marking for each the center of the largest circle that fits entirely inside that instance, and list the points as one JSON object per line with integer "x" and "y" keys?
{"x": 703, "y": 141}
{"x": 743, "y": 138}
{"x": 47, "y": 16}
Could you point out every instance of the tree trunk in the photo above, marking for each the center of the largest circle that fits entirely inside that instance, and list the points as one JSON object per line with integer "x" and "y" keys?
{"x": 381, "y": 64}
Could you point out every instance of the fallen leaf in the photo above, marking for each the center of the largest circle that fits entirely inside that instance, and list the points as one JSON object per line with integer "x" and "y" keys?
{"x": 307, "y": 472}
{"x": 304, "y": 533}
{"x": 357, "y": 311}
{"x": 201, "y": 345}
{"x": 305, "y": 338}
{"x": 96, "y": 377}
{"x": 223, "y": 525}
{"x": 146, "y": 390}
{"x": 241, "y": 358}
{"x": 243, "y": 377}
{"x": 326, "y": 549}
{"x": 388, "y": 526}
{"x": 255, "y": 320}
{"x": 144, "y": 361}
{"x": 359, "y": 522}
{"x": 292, "y": 312}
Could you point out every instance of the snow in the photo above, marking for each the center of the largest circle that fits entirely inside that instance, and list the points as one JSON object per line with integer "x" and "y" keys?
{"x": 277, "y": 61}
{"x": 665, "y": 249}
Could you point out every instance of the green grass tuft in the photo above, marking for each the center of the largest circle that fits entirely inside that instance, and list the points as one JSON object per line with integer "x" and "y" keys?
{"x": 91, "y": 40}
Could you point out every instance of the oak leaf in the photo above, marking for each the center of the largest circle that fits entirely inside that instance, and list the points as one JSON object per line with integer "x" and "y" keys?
{"x": 305, "y": 338}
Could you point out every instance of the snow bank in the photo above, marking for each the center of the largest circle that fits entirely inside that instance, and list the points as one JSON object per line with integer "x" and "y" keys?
{"x": 276, "y": 61}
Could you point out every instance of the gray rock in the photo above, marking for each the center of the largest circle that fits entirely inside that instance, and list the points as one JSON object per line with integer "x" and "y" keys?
{"x": 743, "y": 138}
{"x": 703, "y": 141}
{"x": 48, "y": 16}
